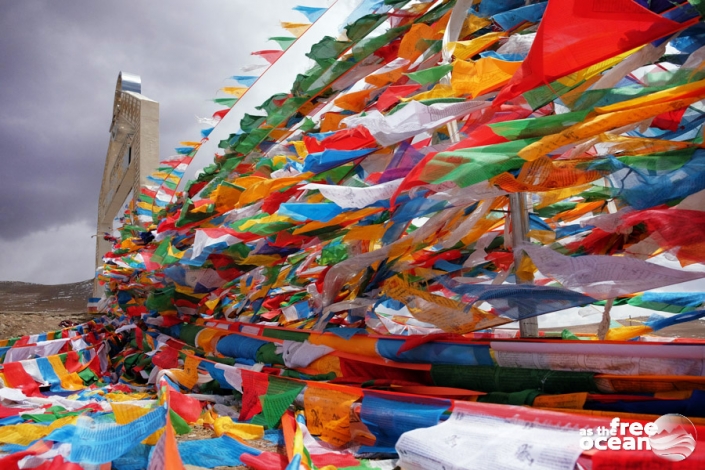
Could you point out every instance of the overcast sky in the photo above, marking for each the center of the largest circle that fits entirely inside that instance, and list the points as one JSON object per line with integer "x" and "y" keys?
{"x": 60, "y": 62}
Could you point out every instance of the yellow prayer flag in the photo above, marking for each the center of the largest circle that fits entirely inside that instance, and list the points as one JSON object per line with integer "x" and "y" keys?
{"x": 126, "y": 413}
{"x": 25, "y": 433}
{"x": 679, "y": 92}
{"x": 118, "y": 397}
{"x": 264, "y": 220}
{"x": 236, "y": 91}
{"x": 473, "y": 24}
{"x": 296, "y": 29}
{"x": 340, "y": 219}
{"x": 69, "y": 381}
{"x": 225, "y": 197}
{"x": 627, "y": 332}
{"x": 464, "y": 50}
{"x": 438, "y": 91}
{"x": 188, "y": 377}
{"x": 225, "y": 425}
{"x": 365, "y": 232}
{"x": 616, "y": 116}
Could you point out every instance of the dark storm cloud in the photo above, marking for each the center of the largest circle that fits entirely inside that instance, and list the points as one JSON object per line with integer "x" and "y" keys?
{"x": 60, "y": 61}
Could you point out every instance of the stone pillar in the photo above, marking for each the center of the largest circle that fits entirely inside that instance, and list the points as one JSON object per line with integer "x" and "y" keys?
{"x": 133, "y": 154}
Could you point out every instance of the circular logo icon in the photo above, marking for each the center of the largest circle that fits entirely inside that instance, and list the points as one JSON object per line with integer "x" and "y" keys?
{"x": 675, "y": 438}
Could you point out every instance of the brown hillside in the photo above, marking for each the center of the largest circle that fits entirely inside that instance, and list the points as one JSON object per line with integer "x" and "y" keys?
{"x": 27, "y": 308}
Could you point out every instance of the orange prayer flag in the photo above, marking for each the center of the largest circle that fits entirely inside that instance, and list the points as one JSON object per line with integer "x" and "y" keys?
{"x": 413, "y": 44}
{"x": 331, "y": 121}
{"x": 355, "y": 101}
{"x": 328, "y": 413}
{"x": 481, "y": 76}
{"x": 289, "y": 428}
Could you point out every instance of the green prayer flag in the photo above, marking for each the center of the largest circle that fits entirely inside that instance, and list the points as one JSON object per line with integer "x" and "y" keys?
{"x": 327, "y": 49}
{"x": 525, "y": 397}
{"x": 229, "y": 102}
{"x": 248, "y": 123}
{"x": 163, "y": 255}
{"x": 368, "y": 46}
{"x": 333, "y": 254}
{"x": 557, "y": 208}
{"x": 291, "y": 335}
{"x": 281, "y": 393}
{"x": 699, "y": 5}
{"x": 363, "y": 26}
{"x": 537, "y": 127}
{"x": 307, "y": 125}
{"x": 39, "y": 417}
{"x": 286, "y": 110}
{"x": 88, "y": 376}
{"x": 510, "y": 379}
{"x": 267, "y": 354}
{"x": 283, "y": 41}
{"x": 432, "y": 75}
{"x": 659, "y": 306}
{"x": 252, "y": 140}
{"x": 161, "y": 299}
{"x": 568, "y": 335}
{"x": 180, "y": 425}
{"x": 466, "y": 167}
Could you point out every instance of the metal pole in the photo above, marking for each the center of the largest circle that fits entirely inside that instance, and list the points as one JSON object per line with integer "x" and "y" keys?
{"x": 519, "y": 219}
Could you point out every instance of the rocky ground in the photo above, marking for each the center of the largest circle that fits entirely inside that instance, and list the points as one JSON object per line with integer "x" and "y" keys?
{"x": 27, "y": 308}
{"x": 206, "y": 432}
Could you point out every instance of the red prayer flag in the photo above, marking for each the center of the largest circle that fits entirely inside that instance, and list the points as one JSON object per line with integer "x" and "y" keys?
{"x": 6, "y": 411}
{"x": 185, "y": 406}
{"x": 669, "y": 121}
{"x": 167, "y": 358}
{"x": 17, "y": 377}
{"x": 220, "y": 114}
{"x": 254, "y": 384}
{"x": 73, "y": 364}
{"x": 9, "y": 462}
{"x": 575, "y": 34}
{"x": 270, "y": 56}
{"x": 393, "y": 94}
{"x": 265, "y": 461}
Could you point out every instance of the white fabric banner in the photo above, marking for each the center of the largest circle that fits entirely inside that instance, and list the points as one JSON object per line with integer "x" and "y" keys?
{"x": 356, "y": 198}
{"x": 472, "y": 441}
{"x": 412, "y": 119}
{"x": 605, "y": 277}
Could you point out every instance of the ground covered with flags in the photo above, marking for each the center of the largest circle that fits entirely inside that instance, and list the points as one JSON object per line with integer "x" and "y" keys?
{"x": 333, "y": 282}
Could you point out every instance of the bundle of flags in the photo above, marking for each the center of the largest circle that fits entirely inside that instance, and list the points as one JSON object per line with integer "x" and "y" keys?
{"x": 341, "y": 268}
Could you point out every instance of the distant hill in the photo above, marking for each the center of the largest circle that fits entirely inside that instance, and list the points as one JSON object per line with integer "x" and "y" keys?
{"x": 25, "y": 297}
